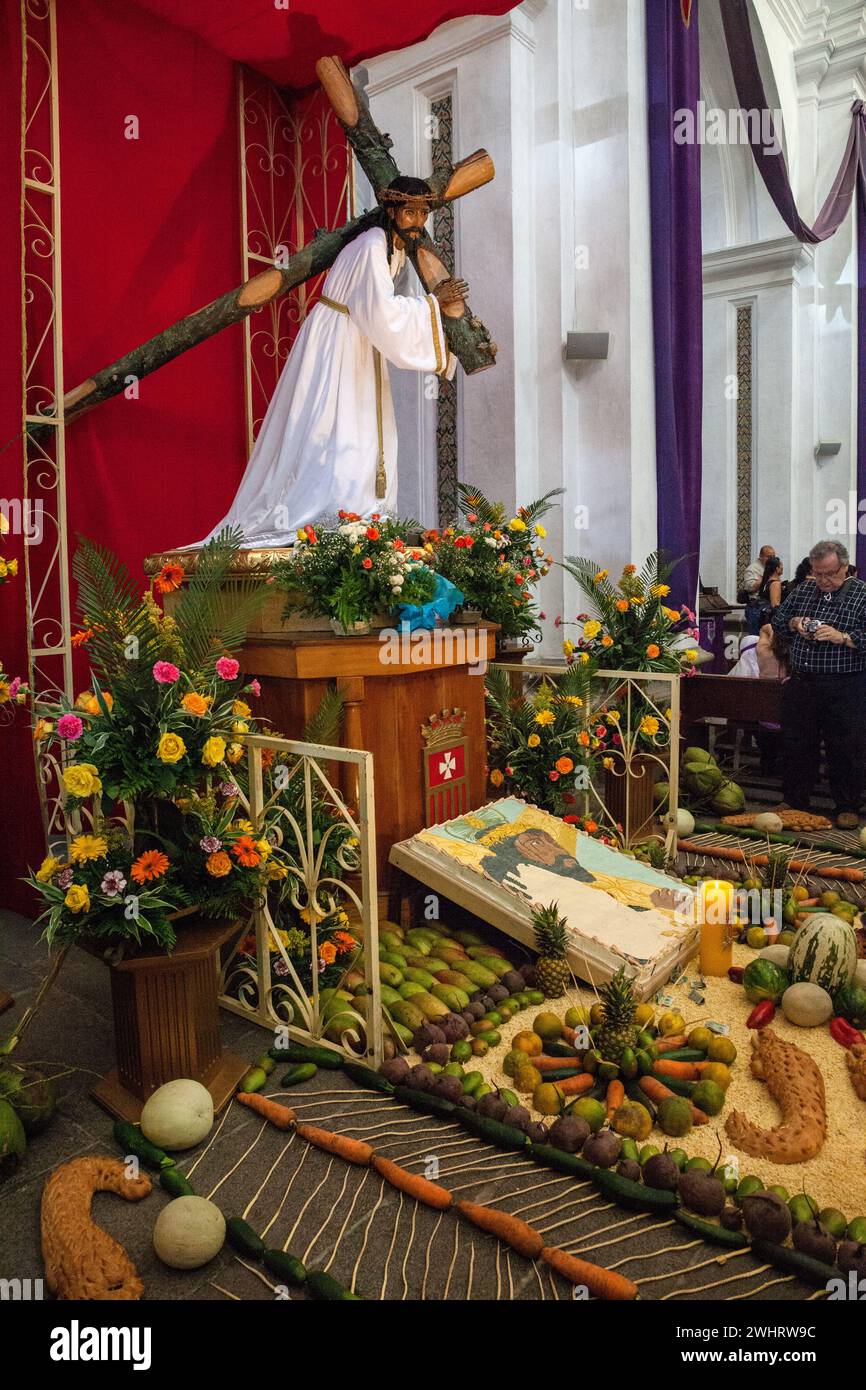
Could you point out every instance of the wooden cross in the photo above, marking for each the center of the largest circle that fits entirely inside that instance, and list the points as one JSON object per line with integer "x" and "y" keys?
{"x": 466, "y": 335}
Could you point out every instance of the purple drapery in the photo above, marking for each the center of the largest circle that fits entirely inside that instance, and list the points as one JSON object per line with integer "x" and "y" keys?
{"x": 774, "y": 171}
{"x": 673, "y": 84}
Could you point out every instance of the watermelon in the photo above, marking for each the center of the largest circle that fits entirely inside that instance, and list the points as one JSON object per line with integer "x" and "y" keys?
{"x": 850, "y": 1002}
{"x": 764, "y": 979}
{"x": 824, "y": 952}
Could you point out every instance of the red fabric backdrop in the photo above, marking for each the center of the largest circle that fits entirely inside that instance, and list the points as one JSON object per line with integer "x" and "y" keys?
{"x": 151, "y": 231}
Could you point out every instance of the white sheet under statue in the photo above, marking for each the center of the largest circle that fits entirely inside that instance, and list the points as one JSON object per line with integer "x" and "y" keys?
{"x": 319, "y": 445}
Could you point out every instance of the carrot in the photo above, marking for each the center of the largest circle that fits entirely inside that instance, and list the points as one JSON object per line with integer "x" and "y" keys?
{"x": 576, "y": 1085}
{"x": 806, "y": 902}
{"x": 279, "y": 1115}
{"x": 671, "y": 1043}
{"x": 602, "y": 1283}
{"x": 615, "y": 1097}
{"x": 797, "y": 866}
{"x": 657, "y": 1092}
{"x": 510, "y": 1229}
{"x": 686, "y": 1071}
{"x": 570, "y": 1034}
{"x": 419, "y": 1188}
{"x": 552, "y": 1063}
{"x": 352, "y": 1150}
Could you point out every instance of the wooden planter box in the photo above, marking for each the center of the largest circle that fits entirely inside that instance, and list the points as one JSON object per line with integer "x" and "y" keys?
{"x": 166, "y": 1021}
{"x": 628, "y": 796}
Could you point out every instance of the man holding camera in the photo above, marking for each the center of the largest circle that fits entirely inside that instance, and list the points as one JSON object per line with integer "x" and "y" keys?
{"x": 824, "y": 624}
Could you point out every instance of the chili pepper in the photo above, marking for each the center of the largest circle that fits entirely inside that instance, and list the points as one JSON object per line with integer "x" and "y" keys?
{"x": 843, "y": 1033}
{"x": 736, "y": 973}
{"x": 761, "y": 1014}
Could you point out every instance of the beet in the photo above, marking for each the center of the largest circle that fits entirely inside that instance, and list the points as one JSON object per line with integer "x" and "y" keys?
{"x": 454, "y": 1026}
{"x": 396, "y": 1070}
{"x": 437, "y": 1052}
{"x": 468, "y": 1017}
{"x": 629, "y": 1168}
{"x": 487, "y": 1002}
{"x": 498, "y": 992}
{"x": 661, "y": 1171}
{"x": 421, "y": 1078}
{"x": 513, "y": 981}
{"x": 528, "y": 973}
{"x": 602, "y": 1149}
{"x": 731, "y": 1218}
{"x": 569, "y": 1133}
{"x": 467, "y": 1102}
{"x": 517, "y": 1116}
{"x": 537, "y": 1132}
{"x": 449, "y": 1088}
{"x": 701, "y": 1192}
{"x": 767, "y": 1217}
{"x": 426, "y": 1035}
{"x": 491, "y": 1107}
{"x": 851, "y": 1257}
{"x": 811, "y": 1238}
{"x": 477, "y": 1009}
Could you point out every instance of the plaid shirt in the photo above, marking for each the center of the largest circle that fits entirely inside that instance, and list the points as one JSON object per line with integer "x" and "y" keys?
{"x": 843, "y": 608}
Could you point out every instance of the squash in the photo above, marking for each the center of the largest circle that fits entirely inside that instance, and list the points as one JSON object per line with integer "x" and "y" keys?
{"x": 189, "y": 1232}
{"x": 824, "y": 952}
{"x": 178, "y": 1115}
{"x": 685, "y": 823}
{"x": 806, "y": 1004}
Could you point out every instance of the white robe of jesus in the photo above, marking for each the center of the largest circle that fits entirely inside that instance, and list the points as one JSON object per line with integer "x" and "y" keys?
{"x": 330, "y": 426}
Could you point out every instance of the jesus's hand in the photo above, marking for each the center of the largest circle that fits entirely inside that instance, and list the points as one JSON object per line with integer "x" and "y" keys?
{"x": 448, "y": 291}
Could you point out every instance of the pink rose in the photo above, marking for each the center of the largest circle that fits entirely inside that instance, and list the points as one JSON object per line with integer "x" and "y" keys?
{"x": 227, "y": 668}
{"x": 69, "y": 726}
{"x": 254, "y": 688}
{"x": 14, "y": 687}
{"x": 165, "y": 673}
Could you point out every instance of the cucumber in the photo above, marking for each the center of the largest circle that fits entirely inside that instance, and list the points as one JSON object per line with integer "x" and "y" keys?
{"x": 253, "y": 1080}
{"x": 321, "y": 1285}
{"x": 634, "y": 1195}
{"x": 301, "y": 1071}
{"x": 132, "y": 1141}
{"x": 241, "y": 1236}
{"x": 677, "y": 1084}
{"x": 686, "y": 1054}
{"x": 493, "y": 1131}
{"x": 285, "y": 1267}
{"x": 795, "y": 1262}
{"x": 176, "y": 1183}
{"x": 301, "y": 1052}
{"x": 560, "y": 1049}
{"x": 710, "y": 1231}
{"x": 420, "y": 1100}
{"x": 562, "y": 1162}
{"x": 266, "y": 1063}
{"x": 365, "y": 1076}
{"x": 562, "y": 1073}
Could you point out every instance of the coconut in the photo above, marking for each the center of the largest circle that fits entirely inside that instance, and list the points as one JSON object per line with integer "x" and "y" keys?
{"x": 729, "y": 799}
{"x": 704, "y": 777}
{"x": 30, "y": 1094}
{"x": 697, "y": 755}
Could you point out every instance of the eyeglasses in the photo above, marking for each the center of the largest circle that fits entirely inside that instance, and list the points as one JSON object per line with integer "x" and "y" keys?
{"x": 826, "y": 574}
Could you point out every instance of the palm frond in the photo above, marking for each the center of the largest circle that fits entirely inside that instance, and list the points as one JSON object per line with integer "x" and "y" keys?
{"x": 472, "y": 499}
{"x": 110, "y": 602}
{"x": 213, "y": 614}
{"x": 583, "y": 572}
{"x": 499, "y": 693}
{"x": 325, "y": 725}
{"x": 541, "y": 506}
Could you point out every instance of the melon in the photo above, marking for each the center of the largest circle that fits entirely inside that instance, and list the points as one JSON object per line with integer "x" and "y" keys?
{"x": 685, "y": 823}
{"x": 824, "y": 952}
{"x": 178, "y": 1114}
{"x": 189, "y": 1232}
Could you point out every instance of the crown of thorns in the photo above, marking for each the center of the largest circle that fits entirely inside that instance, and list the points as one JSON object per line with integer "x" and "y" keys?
{"x": 395, "y": 197}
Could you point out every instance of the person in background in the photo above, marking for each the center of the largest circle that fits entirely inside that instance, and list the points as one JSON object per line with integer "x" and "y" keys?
{"x": 764, "y": 657}
{"x": 766, "y": 597}
{"x": 752, "y": 580}
{"x": 803, "y": 572}
{"x": 825, "y": 624}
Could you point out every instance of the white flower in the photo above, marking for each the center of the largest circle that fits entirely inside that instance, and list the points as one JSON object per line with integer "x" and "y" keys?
{"x": 492, "y": 542}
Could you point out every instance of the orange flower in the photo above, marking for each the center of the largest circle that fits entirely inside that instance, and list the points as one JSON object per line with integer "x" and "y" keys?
{"x": 582, "y": 738}
{"x": 267, "y": 757}
{"x": 328, "y": 952}
{"x": 629, "y": 569}
{"x": 244, "y": 850}
{"x": 622, "y": 605}
{"x": 170, "y": 577}
{"x": 194, "y": 703}
{"x": 344, "y": 941}
{"x": 151, "y": 864}
{"x": 652, "y": 651}
{"x": 219, "y": 864}
{"x": 606, "y": 641}
{"x": 590, "y": 826}
{"x": 564, "y": 765}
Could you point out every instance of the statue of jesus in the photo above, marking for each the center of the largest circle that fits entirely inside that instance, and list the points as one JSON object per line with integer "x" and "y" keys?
{"x": 329, "y": 438}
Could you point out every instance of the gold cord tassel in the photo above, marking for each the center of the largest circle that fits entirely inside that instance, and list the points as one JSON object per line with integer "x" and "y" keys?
{"x": 381, "y": 483}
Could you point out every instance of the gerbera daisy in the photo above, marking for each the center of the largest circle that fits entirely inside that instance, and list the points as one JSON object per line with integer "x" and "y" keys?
{"x": 244, "y": 850}
{"x": 87, "y": 847}
{"x": 151, "y": 864}
{"x": 170, "y": 577}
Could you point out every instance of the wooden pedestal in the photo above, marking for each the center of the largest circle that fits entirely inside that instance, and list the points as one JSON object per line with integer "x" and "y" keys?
{"x": 386, "y": 704}
{"x": 166, "y": 1022}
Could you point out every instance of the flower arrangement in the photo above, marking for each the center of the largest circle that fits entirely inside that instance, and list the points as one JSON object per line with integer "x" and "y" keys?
{"x": 13, "y": 690}
{"x": 354, "y": 570}
{"x": 8, "y": 568}
{"x": 494, "y": 561}
{"x": 635, "y": 630}
{"x": 539, "y": 746}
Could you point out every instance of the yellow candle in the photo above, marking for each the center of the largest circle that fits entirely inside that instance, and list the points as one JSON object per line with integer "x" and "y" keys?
{"x": 715, "y": 915}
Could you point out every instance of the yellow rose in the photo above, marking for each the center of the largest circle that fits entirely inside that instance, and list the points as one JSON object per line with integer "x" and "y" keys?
{"x": 516, "y": 524}
{"x": 649, "y": 725}
{"x": 240, "y": 726}
{"x": 77, "y": 898}
{"x": 584, "y": 656}
{"x": 241, "y": 708}
{"x": 533, "y": 741}
{"x": 213, "y": 752}
{"x": 48, "y": 868}
{"x": 3, "y": 568}
{"x": 235, "y": 752}
{"x": 540, "y": 531}
{"x": 171, "y": 748}
{"x": 591, "y": 629}
{"x": 81, "y": 780}
{"x": 194, "y": 703}
{"x": 568, "y": 647}
{"x": 12, "y": 566}
{"x": 264, "y": 847}
{"x": 276, "y": 871}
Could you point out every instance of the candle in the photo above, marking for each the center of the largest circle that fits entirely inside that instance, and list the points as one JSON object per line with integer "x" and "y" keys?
{"x": 715, "y": 915}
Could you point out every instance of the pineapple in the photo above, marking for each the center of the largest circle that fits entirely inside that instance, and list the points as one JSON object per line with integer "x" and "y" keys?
{"x": 551, "y": 970}
{"x": 618, "y": 1029}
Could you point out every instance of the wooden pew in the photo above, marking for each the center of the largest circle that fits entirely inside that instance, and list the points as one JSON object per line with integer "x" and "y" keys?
{"x": 741, "y": 700}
